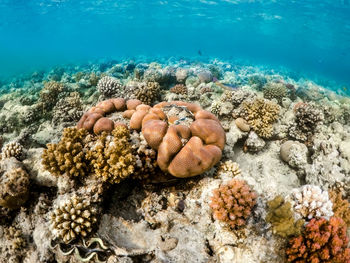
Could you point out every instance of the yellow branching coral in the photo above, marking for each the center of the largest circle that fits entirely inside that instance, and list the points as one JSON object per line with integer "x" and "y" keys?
{"x": 67, "y": 156}
{"x": 111, "y": 157}
{"x": 261, "y": 114}
{"x": 280, "y": 216}
{"x": 229, "y": 167}
{"x": 341, "y": 207}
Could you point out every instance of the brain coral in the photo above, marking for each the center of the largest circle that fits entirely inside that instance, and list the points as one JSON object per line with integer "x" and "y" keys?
{"x": 67, "y": 156}
{"x": 73, "y": 218}
{"x": 188, "y": 139}
{"x": 323, "y": 241}
{"x": 260, "y": 114}
{"x": 232, "y": 203}
{"x": 111, "y": 157}
{"x": 275, "y": 90}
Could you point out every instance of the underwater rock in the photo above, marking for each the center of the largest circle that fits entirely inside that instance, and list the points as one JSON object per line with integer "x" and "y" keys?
{"x": 254, "y": 143}
{"x": 294, "y": 153}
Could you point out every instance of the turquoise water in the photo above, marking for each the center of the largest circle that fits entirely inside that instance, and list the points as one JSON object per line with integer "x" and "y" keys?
{"x": 310, "y": 38}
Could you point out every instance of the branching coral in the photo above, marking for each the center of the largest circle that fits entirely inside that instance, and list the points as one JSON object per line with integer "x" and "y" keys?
{"x": 14, "y": 188}
{"x": 229, "y": 167}
{"x": 307, "y": 118}
{"x": 15, "y": 245}
{"x": 281, "y": 216}
{"x": 310, "y": 201}
{"x": 108, "y": 86}
{"x": 233, "y": 202}
{"x": 341, "y": 207}
{"x": 260, "y": 114}
{"x": 147, "y": 92}
{"x": 275, "y": 90}
{"x": 323, "y": 241}
{"x": 68, "y": 109}
{"x": 12, "y": 149}
{"x": 73, "y": 218}
{"x": 67, "y": 156}
{"x": 111, "y": 157}
{"x": 49, "y": 95}
{"x": 179, "y": 89}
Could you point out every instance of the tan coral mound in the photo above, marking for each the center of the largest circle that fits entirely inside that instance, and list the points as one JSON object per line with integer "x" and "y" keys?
{"x": 186, "y": 147}
{"x": 14, "y": 188}
{"x": 229, "y": 167}
{"x": 233, "y": 202}
{"x": 261, "y": 114}
{"x": 67, "y": 156}
{"x": 111, "y": 158}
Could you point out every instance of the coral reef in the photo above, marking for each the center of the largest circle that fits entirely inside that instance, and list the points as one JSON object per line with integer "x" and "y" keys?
{"x": 275, "y": 90}
{"x": 67, "y": 156}
{"x": 322, "y": 241}
{"x": 309, "y": 201}
{"x": 73, "y": 218}
{"x": 260, "y": 114}
{"x": 281, "y": 217}
{"x": 147, "y": 92}
{"x": 307, "y": 118}
{"x": 233, "y": 202}
{"x": 14, "y": 248}
{"x": 111, "y": 157}
{"x": 12, "y": 149}
{"x": 109, "y": 86}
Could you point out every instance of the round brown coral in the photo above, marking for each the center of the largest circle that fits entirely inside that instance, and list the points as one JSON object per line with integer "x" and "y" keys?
{"x": 187, "y": 146}
{"x": 14, "y": 187}
{"x": 233, "y": 202}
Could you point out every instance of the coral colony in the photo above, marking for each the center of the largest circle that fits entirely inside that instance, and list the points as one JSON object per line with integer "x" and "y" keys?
{"x": 170, "y": 160}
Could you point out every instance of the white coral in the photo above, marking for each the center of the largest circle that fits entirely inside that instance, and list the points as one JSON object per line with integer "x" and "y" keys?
{"x": 109, "y": 86}
{"x": 309, "y": 201}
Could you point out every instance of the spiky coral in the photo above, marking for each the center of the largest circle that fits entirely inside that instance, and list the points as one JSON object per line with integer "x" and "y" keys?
{"x": 73, "y": 218}
{"x": 323, "y": 241}
{"x": 260, "y": 114}
{"x": 280, "y": 216}
{"x": 111, "y": 157}
{"x": 310, "y": 201}
{"x": 233, "y": 202}
{"x": 67, "y": 156}
{"x": 341, "y": 207}
{"x": 275, "y": 90}
{"x": 14, "y": 188}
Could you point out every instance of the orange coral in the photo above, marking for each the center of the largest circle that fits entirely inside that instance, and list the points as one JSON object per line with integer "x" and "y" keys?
{"x": 232, "y": 203}
{"x": 341, "y": 207}
{"x": 323, "y": 241}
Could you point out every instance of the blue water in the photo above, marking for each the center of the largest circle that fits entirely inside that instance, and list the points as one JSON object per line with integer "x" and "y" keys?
{"x": 308, "y": 37}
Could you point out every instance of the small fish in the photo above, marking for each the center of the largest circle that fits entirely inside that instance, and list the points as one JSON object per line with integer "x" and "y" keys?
{"x": 199, "y": 52}
{"x": 344, "y": 88}
{"x": 224, "y": 86}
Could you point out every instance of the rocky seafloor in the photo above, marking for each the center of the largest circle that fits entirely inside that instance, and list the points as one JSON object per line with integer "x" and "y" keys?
{"x": 259, "y": 171}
